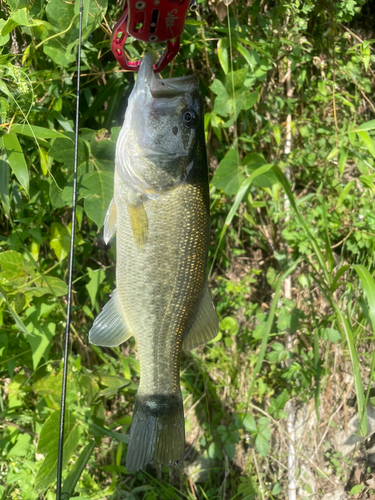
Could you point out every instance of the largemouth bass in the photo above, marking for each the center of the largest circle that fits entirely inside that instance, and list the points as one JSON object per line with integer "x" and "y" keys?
{"x": 160, "y": 212}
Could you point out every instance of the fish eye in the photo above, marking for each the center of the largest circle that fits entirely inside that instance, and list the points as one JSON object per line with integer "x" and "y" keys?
{"x": 188, "y": 117}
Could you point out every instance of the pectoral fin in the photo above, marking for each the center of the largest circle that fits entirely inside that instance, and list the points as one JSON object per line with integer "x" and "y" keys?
{"x": 138, "y": 222}
{"x": 109, "y": 328}
{"x": 110, "y": 222}
{"x": 206, "y": 324}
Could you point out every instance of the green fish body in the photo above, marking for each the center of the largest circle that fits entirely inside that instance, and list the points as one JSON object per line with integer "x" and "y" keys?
{"x": 160, "y": 212}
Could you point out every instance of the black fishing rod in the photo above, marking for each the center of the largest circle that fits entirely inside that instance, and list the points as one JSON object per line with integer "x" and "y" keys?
{"x": 59, "y": 494}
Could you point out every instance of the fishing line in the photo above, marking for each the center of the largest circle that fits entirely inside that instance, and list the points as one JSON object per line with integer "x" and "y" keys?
{"x": 63, "y": 496}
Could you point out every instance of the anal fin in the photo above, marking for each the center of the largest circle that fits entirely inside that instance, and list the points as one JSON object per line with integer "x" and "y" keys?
{"x": 205, "y": 326}
{"x": 109, "y": 328}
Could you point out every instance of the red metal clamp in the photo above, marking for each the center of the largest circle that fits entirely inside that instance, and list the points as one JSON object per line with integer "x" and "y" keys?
{"x": 150, "y": 21}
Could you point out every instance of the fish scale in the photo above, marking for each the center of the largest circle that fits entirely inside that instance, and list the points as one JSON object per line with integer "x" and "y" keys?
{"x": 160, "y": 213}
{"x": 159, "y": 285}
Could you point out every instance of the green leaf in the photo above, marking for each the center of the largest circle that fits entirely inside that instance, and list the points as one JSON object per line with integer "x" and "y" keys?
{"x": 48, "y": 445}
{"x": 96, "y": 278}
{"x": 35, "y": 131}
{"x": 11, "y": 264}
{"x": 368, "y": 284}
{"x": 21, "y": 448}
{"x": 19, "y": 17}
{"x": 214, "y": 451}
{"x": 342, "y": 160}
{"x": 252, "y": 162}
{"x": 97, "y": 189}
{"x": 16, "y": 159}
{"x": 63, "y": 150}
{"x": 356, "y": 489}
{"x": 16, "y": 318}
{"x": 370, "y": 125}
{"x": 40, "y": 340}
{"x": 222, "y": 54}
{"x": 249, "y": 423}
{"x": 368, "y": 142}
{"x": 331, "y": 334}
{"x": 228, "y": 177}
{"x": 60, "y": 240}
{"x": 222, "y": 105}
{"x": 344, "y": 193}
{"x": 230, "y": 450}
{"x": 58, "y": 287}
{"x": 73, "y": 477}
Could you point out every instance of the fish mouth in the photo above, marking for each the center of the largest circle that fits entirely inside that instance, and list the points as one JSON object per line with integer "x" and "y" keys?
{"x": 152, "y": 84}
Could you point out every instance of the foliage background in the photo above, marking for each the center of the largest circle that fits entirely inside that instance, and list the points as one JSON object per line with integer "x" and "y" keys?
{"x": 274, "y": 74}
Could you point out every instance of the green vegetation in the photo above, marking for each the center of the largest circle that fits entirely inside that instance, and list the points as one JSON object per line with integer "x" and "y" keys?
{"x": 290, "y": 131}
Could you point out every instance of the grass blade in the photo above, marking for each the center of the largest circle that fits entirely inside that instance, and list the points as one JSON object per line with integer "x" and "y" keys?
{"x": 318, "y": 254}
{"x": 267, "y": 332}
{"x": 239, "y": 197}
{"x": 347, "y": 333}
{"x": 73, "y": 477}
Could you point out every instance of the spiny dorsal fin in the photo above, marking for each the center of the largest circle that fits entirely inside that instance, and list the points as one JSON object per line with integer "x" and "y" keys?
{"x": 109, "y": 328}
{"x": 205, "y": 326}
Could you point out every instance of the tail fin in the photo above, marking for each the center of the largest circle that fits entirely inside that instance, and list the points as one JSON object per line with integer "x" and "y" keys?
{"x": 157, "y": 431}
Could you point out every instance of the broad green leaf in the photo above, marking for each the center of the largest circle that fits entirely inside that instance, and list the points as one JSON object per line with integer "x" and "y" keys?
{"x": 63, "y": 150}
{"x": 331, "y": 334}
{"x": 60, "y": 240}
{"x": 3, "y": 39}
{"x": 16, "y": 159}
{"x": 35, "y": 131}
{"x": 252, "y": 162}
{"x": 221, "y": 105}
{"x": 73, "y": 477}
{"x": 11, "y": 264}
{"x": 96, "y": 278}
{"x": 40, "y": 340}
{"x": 19, "y": 17}
{"x": 48, "y": 445}
{"x": 21, "y": 448}
{"x": 16, "y": 318}
{"x": 356, "y": 489}
{"x": 249, "y": 423}
{"x": 234, "y": 81}
{"x": 97, "y": 189}
{"x": 228, "y": 177}
{"x": 368, "y": 142}
{"x": 370, "y": 125}
{"x": 245, "y": 100}
{"x": 58, "y": 286}
{"x": 222, "y": 54}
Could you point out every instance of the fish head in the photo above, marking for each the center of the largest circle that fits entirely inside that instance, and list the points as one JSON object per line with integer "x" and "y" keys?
{"x": 157, "y": 143}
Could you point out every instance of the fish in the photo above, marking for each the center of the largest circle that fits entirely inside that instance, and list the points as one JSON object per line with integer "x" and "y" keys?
{"x": 161, "y": 215}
